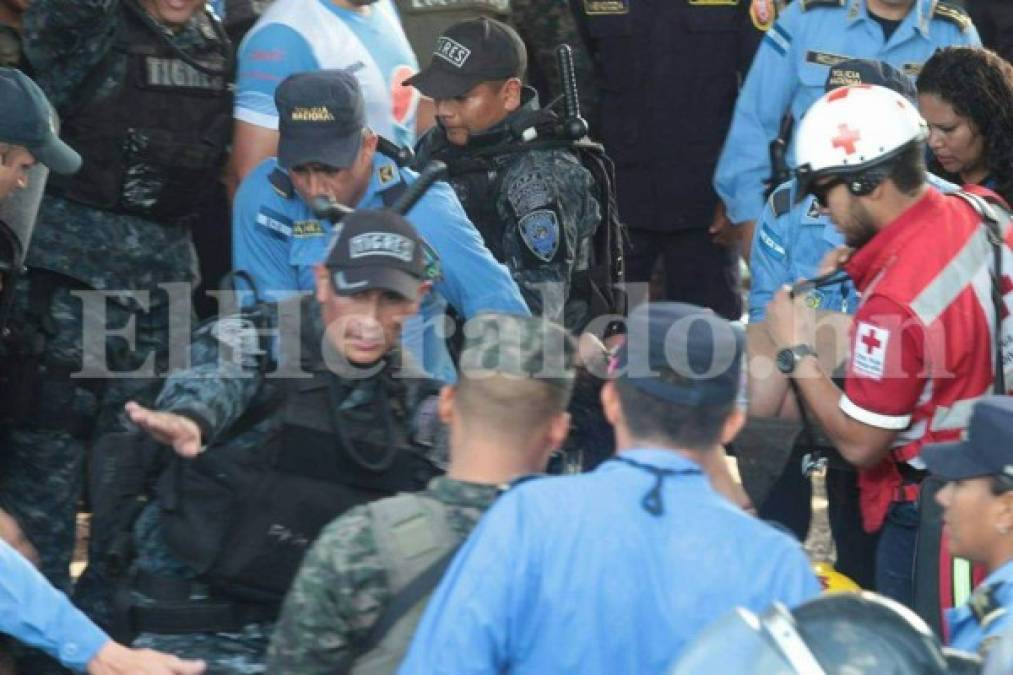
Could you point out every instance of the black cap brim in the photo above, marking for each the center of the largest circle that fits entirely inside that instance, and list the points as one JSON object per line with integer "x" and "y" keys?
{"x": 298, "y": 149}
{"x": 437, "y": 83}
{"x": 349, "y": 281}
{"x": 57, "y": 156}
{"x": 953, "y": 461}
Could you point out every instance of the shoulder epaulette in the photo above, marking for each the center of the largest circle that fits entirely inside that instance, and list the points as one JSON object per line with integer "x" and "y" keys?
{"x": 809, "y": 4}
{"x": 944, "y": 11}
{"x": 281, "y": 183}
{"x": 985, "y": 606}
{"x": 780, "y": 201}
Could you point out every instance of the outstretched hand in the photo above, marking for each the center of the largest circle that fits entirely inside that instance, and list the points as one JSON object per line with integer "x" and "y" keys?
{"x": 181, "y": 432}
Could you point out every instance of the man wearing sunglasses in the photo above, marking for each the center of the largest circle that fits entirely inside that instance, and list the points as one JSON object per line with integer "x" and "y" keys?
{"x": 793, "y": 237}
{"x": 921, "y": 350}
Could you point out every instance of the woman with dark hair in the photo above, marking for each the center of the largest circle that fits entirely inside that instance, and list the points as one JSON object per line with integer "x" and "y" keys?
{"x": 966, "y": 95}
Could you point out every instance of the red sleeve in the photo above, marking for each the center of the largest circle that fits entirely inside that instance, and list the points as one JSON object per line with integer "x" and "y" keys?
{"x": 886, "y": 367}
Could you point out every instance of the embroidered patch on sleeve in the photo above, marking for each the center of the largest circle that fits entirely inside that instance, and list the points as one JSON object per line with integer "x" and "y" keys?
{"x": 540, "y": 232}
{"x": 869, "y": 353}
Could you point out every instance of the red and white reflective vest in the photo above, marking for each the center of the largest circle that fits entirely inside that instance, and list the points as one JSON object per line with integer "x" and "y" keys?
{"x": 922, "y": 349}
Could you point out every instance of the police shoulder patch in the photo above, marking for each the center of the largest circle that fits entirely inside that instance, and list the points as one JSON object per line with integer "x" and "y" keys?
{"x": 762, "y": 13}
{"x": 945, "y": 11}
{"x": 810, "y": 4}
{"x": 434, "y": 268}
{"x": 539, "y": 231}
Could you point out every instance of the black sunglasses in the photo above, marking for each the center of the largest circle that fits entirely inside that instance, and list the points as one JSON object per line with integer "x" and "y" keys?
{"x": 821, "y": 192}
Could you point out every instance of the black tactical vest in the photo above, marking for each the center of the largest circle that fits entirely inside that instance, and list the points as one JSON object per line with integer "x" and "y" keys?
{"x": 155, "y": 146}
{"x": 476, "y": 174}
{"x": 242, "y": 517}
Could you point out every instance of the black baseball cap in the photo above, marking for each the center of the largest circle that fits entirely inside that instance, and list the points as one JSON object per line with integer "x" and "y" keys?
{"x": 869, "y": 71}
{"x": 682, "y": 353}
{"x": 321, "y": 115}
{"x": 27, "y": 119}
{"x": 469, "y": 53}
{"x": 376, "y": 249}
{"x": 987, "y": 450}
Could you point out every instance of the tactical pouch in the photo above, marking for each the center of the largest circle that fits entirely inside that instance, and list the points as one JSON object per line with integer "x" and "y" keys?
{"x": 123, "y": 469}
{"x": 245, "y": 528}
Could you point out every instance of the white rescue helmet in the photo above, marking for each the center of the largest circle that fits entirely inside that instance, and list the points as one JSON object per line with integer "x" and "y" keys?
{"x": 852, "y": 129}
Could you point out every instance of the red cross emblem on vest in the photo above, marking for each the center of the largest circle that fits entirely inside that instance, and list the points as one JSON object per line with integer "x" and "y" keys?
{"x": 846, "y": 139}
{"x": 870, "y": 341}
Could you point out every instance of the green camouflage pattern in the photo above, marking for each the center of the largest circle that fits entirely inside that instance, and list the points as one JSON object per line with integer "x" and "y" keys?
{"x": 342, "y": 587}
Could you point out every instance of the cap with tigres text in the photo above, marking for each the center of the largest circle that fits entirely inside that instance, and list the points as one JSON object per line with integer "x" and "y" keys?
{"x": 376, "y": 249}
{"x": 469, "y": 53}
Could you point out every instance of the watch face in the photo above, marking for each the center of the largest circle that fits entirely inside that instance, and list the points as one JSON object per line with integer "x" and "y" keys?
{"x": 785, "y": 361}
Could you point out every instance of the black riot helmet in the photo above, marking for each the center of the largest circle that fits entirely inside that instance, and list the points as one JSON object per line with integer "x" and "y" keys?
{"x": 834, "y": 634}
{"x": 17, "y": 220}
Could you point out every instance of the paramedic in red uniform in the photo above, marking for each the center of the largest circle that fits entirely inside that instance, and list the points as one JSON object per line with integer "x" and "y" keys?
{"x": 921, "y": 342}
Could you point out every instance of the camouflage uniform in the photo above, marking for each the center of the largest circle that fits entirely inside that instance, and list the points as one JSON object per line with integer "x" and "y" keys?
{"x": 80, "y": 248}
{"x": 537, "y": 210}
{"x": 225, "y": 380}
{"x": 342, "y": 586}
{"x": 344, "y": 583}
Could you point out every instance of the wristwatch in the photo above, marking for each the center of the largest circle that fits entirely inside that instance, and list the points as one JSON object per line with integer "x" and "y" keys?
{"x": 788, "y": 358}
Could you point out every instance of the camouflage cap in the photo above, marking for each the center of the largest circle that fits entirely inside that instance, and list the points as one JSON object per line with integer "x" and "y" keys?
{"x": 518, "y": 346}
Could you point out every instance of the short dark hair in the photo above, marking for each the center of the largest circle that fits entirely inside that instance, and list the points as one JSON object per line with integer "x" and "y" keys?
{"x": 907, "y": 170}
{"x": 509, "y": 404}
{"x": 690, "y": 427}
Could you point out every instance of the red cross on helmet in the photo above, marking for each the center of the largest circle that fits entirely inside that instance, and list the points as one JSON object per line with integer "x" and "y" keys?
{"x": 852, "y": 129}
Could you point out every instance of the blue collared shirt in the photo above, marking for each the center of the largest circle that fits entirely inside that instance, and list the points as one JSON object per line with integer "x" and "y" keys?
{"x": 789, "y": 73}
{"x": 573, "y": 575}
{"x": 35, "y": 613}
{"x": 965, "y": 631}
{"x": 790, "y": 243}
{"x": 278, "y": 240}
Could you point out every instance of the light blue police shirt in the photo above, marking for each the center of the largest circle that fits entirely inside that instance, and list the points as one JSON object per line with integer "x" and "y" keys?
{"x": 790, "y": 243}
{"x": 572, "y": 575}
{"x": 278, "y": 240}
{"x": 35, "y": 613}
{"x": 966, "y": 631}
{"x": 789, "y": 73}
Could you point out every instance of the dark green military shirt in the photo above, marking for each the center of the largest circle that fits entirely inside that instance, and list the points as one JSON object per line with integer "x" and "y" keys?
{"x": 342, "y": 586}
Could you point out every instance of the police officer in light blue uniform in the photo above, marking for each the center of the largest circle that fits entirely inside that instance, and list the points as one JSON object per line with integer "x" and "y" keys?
{"x": 977, "y": 502}
{"x": 790, "y": 69}
{"x": 327, "y": 150}
{"x": 792, "y": 238}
